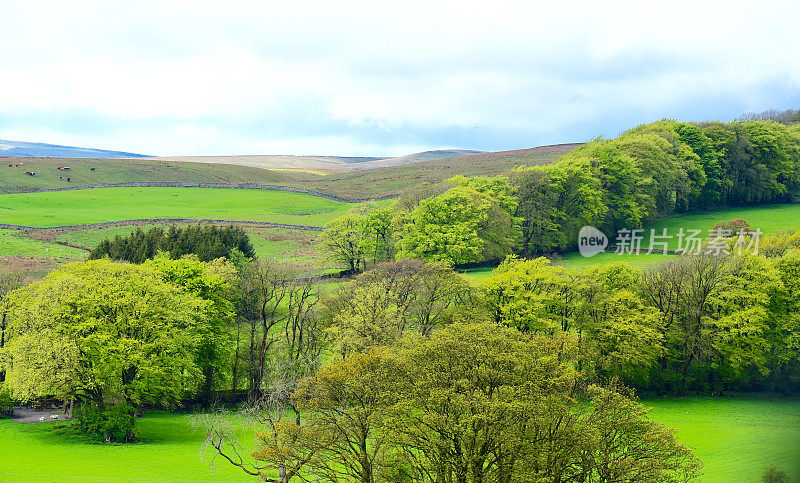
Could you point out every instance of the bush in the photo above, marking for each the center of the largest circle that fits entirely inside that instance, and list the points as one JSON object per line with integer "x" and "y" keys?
{"x": 6, "y": 403}
{"x": 733, "y": 226}
{"x": 108, "y": 424}
{"x": 773, "y": 475}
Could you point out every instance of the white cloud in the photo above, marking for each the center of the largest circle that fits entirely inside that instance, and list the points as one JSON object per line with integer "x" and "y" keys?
{"x": 192, "y": 77}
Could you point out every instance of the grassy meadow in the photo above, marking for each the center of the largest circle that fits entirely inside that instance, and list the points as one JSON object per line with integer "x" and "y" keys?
{"x": 45, "y": 209}
{"x": 735, "y": 439}
{"x": 14, "y": 244}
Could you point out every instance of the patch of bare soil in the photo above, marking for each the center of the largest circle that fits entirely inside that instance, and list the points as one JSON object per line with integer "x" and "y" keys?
{"x": 30, "y": 415}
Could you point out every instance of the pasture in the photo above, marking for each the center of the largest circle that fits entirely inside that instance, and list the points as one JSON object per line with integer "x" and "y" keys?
{"x": 46, "y": 209}
{"x": 735, "y": 439}
{"x": 14, "y": 244}
{"x": 91, "y": 171}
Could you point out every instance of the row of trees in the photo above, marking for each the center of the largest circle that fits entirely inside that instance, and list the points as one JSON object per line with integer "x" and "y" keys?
{"x": 654, "y": 170}
{"x": 207, "y": 241}
{"x": 472, "y": 402}
{"x": 701, "y": 323}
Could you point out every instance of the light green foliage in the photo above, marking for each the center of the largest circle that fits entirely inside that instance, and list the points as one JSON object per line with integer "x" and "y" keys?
{"x": 554, "y": 203}
{"x": 498, "y": 188}
{"x": 103, "y": 332}
{"x": 359, "y": 238}
{"x": 623, "y": 445}
{"x": 459, "y": 226}
{"x": 215, "y": 283}
{"x": 378, "y": 306}
{"x": 345, "y": 402}
{"x": 625, "y": 334}
{"x": 531, "y": 295}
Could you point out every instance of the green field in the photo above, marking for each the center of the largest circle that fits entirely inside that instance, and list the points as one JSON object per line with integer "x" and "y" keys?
{"x": 115, "y": 204}
{"x": 767, "y": 218}
{"x": 735, "y": 438}
{"x": 12, "y": 244}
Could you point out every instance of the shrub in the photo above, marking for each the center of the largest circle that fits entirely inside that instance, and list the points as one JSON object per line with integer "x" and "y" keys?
{"x": 108, "y": 424}
{"x": 773, "y": 475}
{"x": 733, "y": 226}
{"x": 6, "y": 403}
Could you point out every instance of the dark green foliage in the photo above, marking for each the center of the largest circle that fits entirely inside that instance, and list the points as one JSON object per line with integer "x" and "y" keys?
{"x": 773, "y": 475}
{"x": 208, "y": 242}
{"x": 109, "y": 424}
{"x": 6, "y": 403}
{"x": 655, "y": 170}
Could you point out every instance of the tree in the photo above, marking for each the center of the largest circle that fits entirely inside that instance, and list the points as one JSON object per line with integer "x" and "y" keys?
{"x": 359, "y": 237}
{"x": 554, "y": 203}
{"x": 345, "y": 401}
{"x": 378, "y": 306}
{"x": 531, "y": 295}
{"x": 459, "y": 226}
{"x": 207, "y": 242}
{"x": 8, "y": 283}
{"x": 214, "y": 283}
{"x": 103, "y": 333}
{"x": 277, "y": 307}
{"x": 623, "y": 445}
{"x": 623, "y": 333}
{"x": 472, "y": 396}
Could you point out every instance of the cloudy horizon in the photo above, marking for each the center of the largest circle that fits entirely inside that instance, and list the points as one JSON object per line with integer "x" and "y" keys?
{"x": 368, "y": 79}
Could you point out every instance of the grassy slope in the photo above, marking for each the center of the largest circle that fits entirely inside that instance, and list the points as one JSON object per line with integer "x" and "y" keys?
{"x": 114, "y": 204}
{"x": 381, "y": 181}
{"x": 767, "y": 218}
{"x": 128, "y": 170}
{"x": 735, "y": 439}
{"x": 12, "y": 244}
{"x": 356, "y": 184}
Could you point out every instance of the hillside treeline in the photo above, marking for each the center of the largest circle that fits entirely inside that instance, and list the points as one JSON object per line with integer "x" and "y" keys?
{"x": 207, "y": 241}
{"x": 654, "y": 170}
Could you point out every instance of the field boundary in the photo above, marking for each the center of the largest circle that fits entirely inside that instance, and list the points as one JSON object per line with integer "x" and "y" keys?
{"x": 176, "y": 184}
{"x": 144, "y": 221}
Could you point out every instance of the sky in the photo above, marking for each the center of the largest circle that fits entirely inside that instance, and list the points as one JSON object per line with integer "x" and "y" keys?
{"x": 378, "y": 78}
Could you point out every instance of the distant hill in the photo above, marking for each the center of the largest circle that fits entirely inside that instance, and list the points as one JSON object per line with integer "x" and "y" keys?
{"x": 322, "y": 162}
{"x": 22, "y": 149}
{"x": 346, "y": 177}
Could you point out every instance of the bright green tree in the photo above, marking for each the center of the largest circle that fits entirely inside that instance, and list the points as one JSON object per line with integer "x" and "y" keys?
{"x": 459, "y": 226}
{"x": 102, "y": 333}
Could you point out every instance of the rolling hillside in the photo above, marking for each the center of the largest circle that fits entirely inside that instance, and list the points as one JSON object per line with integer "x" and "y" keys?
{"x": 377, "y": 181}
{"x": 24, "y": 149}
{"x": 320, "y": 162}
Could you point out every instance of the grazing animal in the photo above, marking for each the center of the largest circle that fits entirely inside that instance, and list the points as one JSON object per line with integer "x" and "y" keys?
{"x": 67, "y": 179}
{"x": 10, "y": 165}
{"x": 91, "y": 169}
{"x": 41, "y": 420}
{"x": 54, "y": 416}
{"x": 30, "y": 173}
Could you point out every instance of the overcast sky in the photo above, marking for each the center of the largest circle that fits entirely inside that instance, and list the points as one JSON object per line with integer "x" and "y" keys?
{"x": 381, "y": 78}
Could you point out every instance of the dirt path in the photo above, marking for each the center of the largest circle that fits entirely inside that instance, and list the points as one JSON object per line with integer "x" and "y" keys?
{"x": 28, "y": 415}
